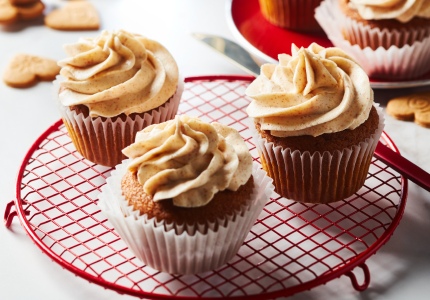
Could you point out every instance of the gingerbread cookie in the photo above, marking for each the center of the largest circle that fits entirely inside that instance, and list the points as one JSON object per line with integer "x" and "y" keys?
{"x": 75, "y": 15}
{"x": 414, "y": 107}
{"x": 25, "y": 70}
{"x": 15, "y": 10}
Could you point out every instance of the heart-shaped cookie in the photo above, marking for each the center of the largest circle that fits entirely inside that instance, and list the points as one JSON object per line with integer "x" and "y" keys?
{"x": 11, "y": 11}
{"x": 75, "y": 15}
{"x": 414, "y": 107}
{"x": 25, "y": 70}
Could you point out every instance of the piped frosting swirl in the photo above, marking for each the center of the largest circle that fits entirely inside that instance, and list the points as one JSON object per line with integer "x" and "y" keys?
{"x": 117, "y": 72}
{"x": 401, "y": 10}
{"x": 314, "y": 91}
{"x": 189, "y": 160}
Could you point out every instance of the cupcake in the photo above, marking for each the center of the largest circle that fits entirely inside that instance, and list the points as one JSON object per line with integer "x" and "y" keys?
{"x": 385, "y": 23}
{"x": 291, "y": 14}
{"x": 113, "y": 86}
{"x": 187, "y": 196}
{"x": 388, "y": 38}
{"x": 316, "y": 124}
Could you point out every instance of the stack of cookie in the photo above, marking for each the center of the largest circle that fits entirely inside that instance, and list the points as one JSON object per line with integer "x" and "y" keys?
{"x": 74, "y": 15}
{"x": 25, "y": 70}
{"x": 15, "y": 10}
{"x": 411, "y": 107}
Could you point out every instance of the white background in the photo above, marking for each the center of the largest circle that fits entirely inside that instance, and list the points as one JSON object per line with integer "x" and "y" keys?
{"x": 399, "y": 270}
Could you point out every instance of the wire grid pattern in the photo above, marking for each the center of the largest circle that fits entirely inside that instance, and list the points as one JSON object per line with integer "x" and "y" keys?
{"x": 290, "y": 245}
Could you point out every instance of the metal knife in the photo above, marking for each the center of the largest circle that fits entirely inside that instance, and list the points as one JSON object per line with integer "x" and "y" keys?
{"x": 234, "y": 52}
{"x": 242, "y": 58}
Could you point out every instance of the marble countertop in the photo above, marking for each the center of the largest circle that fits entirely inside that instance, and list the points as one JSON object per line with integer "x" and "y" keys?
{"x": 399, "y": 270}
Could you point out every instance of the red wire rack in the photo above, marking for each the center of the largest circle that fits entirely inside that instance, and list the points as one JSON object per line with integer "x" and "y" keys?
{"x": 291, "y": 248}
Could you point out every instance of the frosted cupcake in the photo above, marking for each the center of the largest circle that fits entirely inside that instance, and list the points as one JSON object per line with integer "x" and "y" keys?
{"x": 316, "y": 124}
{"x": 113, "y": 86}
{"x": 187, "y": 197}
{"x": 386, "y": 23}
{"x": 388, "y": 38}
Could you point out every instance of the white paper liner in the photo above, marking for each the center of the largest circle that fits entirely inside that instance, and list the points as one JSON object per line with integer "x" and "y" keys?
{"x": 101, "y": 141}
{"x": 176, "y": 249}
{"x": 405, "y": 62}
{"x": 330, "y": 177}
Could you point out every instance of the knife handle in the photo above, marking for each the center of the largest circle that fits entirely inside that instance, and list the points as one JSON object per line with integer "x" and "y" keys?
{"x": 403, "y": 166}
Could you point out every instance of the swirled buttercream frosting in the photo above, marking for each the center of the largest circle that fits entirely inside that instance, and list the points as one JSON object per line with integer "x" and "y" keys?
{"x": 117, "y": 72}
{"x": 189, "y": 160}
{"x": 314, "y": 91}
{"x": 401, "y": 10}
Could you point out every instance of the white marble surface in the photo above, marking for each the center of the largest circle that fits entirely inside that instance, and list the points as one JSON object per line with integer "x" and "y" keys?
{"x": 399, "y": 270}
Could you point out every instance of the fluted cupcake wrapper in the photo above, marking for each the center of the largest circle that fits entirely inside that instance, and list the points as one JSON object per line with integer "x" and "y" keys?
{"x": 385, "y": 62}
{"x": 322, "y": 177}
{"x": 291, "y": 14}
{"x": 182, "y": 249}
{"x": 101, "y": 140}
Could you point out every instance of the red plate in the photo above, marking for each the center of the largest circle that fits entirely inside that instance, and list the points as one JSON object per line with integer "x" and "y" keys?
{"x": 291, "y": 248}
{"x": 266, "y": 41}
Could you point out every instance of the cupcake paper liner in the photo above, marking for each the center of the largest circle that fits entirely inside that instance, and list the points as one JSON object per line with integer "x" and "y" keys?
{"x": 385, "y": 62}
{"x": 322, "y": 177}
{"x": 291, "y": 14}
{"x": 182, "y": 249}
{"x": 101, "y": 140}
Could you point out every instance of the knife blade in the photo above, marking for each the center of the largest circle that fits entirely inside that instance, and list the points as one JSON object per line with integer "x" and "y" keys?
{"x": 231, "y": 50}
{"x": 242, "y": 58}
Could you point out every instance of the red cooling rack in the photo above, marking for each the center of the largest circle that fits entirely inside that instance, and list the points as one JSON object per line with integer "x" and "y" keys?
{"x": 291, "y": 248}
